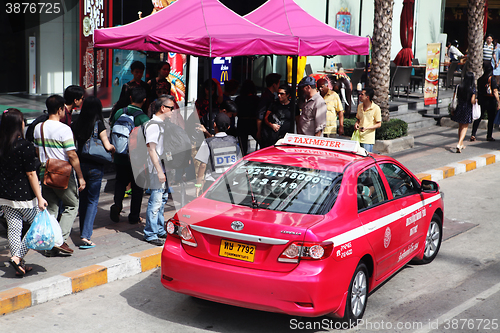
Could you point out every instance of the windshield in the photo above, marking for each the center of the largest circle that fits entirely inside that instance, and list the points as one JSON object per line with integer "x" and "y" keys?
{"x": 278, "y": 187}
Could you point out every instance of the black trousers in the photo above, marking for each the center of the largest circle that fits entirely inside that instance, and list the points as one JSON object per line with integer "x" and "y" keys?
{"x": 489, "y": 106}
{"x": 124, "y": 176}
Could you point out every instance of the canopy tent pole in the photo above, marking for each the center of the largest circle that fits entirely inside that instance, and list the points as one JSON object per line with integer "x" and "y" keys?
{"x": 186, "y": 94}
{"x": 264, "y": 74}
{"x": 326, "y": 21}
{"x": 210, "y": 92}
{"x": 295, "y": 62}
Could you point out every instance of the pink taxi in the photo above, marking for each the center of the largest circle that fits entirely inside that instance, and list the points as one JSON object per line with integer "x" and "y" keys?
{"x": 308, "y": 227}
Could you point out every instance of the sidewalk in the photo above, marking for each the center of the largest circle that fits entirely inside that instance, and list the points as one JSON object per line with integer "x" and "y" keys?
{"x": 122, "y": 252}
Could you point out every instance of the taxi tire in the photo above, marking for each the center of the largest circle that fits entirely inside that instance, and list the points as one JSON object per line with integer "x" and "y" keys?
{"x": 358, "y": 291}
{"x": 435, "y": 227}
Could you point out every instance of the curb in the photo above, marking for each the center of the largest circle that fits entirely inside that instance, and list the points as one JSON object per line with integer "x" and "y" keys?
{"x": 78, "y": 280}
{"x": 460, "y": 167}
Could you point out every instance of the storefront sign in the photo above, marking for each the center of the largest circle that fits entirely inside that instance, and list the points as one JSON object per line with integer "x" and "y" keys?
{"x": 431, "y": 87}
{"x": 221, "y": 69}
{"x": 94, "y": 14}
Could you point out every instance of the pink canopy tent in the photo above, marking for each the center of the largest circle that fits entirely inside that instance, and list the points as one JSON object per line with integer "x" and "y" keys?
{"x": 196, "y": 27}
{"x": 316, "y": 37}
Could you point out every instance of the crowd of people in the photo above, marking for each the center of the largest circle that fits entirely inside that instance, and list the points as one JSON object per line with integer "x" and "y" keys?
{"x": 484, "y": 95}
{"x": 224, "y": 126}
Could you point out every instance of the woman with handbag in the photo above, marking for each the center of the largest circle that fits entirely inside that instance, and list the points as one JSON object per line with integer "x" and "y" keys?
{"x": 487, "y": 91}
{"x": 20, "y": 192}
{"x": 466, "y": 98}
{"x": 90, "y": 131}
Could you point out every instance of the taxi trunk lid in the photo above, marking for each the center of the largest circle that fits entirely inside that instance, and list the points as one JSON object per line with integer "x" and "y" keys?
{"x": 242, "y": 236}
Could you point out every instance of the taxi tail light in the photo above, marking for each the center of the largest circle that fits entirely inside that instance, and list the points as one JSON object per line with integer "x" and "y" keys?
{"x": 306, "y": 251}
{"x": 181, "y": 231}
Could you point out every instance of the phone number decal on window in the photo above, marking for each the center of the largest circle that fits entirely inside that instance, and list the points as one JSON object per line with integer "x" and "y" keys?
{"x": 33, "y": 8}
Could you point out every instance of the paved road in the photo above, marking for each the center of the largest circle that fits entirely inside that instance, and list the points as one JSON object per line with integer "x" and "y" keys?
{"x": 458, "y": 292}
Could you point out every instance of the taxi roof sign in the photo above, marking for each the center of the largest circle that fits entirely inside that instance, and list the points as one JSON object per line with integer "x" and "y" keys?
{"x": 322, "y": 142}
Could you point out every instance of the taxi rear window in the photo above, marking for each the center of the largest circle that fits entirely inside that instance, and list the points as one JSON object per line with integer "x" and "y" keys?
{"x": 278, "y": 187}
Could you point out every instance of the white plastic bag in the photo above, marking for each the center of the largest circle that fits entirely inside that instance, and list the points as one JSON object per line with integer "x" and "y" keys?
{"x": 476, "y": 111}
{"x": 58, "y": 237}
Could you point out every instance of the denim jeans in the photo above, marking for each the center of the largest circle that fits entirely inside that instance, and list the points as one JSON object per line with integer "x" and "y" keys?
{"x": 368, "y": 147}
{"x": 155, "y": 221}
{"x": 89, "y": 197}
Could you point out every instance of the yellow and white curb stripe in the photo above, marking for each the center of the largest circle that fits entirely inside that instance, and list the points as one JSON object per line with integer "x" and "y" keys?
{"x": 84, "y": 278}
{"x": 460, "y": 167}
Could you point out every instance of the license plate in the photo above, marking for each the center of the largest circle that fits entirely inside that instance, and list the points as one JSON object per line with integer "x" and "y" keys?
{"x": 237, "y": 251}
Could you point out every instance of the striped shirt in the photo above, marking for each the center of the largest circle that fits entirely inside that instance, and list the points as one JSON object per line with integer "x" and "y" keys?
{"x": 487, "y": 51}
{"x": 58, "y": 140}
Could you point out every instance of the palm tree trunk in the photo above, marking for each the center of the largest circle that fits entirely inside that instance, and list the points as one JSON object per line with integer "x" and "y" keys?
{"x": 475, "y": 19}
{"x": 381, "y": 54}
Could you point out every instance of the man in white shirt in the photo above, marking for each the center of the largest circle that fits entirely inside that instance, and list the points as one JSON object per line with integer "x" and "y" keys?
{"x": 59, "y": 144}
{"x": 154, "y": 228}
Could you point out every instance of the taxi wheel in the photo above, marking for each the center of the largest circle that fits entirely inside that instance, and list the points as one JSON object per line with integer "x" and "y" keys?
{"x": 432, "y": 240}
{"x": 357, "y": 295}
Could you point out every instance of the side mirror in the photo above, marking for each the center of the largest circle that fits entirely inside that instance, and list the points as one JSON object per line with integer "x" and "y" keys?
{"x": 429, "y": 186}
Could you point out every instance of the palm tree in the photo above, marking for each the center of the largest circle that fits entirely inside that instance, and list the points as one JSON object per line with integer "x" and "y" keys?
{"x": 381, "y": 53}
{"x": 475, "y": 18}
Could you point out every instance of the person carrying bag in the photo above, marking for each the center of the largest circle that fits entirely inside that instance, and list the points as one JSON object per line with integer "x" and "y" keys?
{"x": 466, "y": 101}
{"x": 56, "y": 144}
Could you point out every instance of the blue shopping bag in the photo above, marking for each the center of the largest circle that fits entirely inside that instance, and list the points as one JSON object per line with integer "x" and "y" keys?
{"x": 40, "y": 235}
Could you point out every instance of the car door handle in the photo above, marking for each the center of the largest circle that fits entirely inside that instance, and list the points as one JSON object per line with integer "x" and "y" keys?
{"x": 402, "y": 212}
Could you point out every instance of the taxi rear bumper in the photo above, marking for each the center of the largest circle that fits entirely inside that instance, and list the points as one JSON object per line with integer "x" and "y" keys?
{"x": 312, "y": 289}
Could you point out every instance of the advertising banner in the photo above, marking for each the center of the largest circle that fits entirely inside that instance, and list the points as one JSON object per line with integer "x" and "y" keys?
{"x": 221, "y": 69}
{"x": 121, "y": 69}
{"x": 176, "y": 77}
{"x": 431, "y": 87}
{"x": 94, "y": 14}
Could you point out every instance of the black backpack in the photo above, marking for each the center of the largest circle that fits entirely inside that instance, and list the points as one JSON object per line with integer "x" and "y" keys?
{"x": 31, "y": 128}
{"x": 176, "y": 147}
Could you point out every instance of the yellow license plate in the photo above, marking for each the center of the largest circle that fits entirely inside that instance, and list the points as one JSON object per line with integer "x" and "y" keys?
{"x": 236, "y": 250}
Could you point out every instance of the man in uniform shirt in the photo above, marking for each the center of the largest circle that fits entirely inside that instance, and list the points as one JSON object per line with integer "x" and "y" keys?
{"x": 334, "y": 108}
{"x": 369, "y": 118}
{"x": 312, "y": 109}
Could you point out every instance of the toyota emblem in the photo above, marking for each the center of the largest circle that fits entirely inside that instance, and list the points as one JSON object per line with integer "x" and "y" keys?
{"x": 237, "y": 225}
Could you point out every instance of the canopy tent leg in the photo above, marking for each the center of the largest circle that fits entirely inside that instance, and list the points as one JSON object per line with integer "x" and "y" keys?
{"x": 210, "y": 114}
{"x": 186, "y": 94}
{"x": 295, "y": 63}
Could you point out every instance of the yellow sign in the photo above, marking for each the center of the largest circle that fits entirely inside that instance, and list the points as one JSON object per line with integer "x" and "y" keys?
{"x": 224, "y": 76}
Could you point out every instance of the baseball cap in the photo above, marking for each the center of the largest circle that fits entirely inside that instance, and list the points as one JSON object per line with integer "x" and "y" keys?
{"x": 307, "y": 81}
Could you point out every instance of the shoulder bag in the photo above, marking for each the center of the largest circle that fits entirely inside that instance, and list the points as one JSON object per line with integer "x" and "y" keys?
{"x": 94, "y": 150}
{"x": 57, "y": 172}
{"x": 454, "y": 101}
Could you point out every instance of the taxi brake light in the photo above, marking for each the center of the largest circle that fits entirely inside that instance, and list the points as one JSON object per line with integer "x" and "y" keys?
{"x": 306, "y": 251}
{"x": 181, "y": 231}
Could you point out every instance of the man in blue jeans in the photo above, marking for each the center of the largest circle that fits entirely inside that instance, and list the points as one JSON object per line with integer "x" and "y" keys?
{"x": 154, "y": 229}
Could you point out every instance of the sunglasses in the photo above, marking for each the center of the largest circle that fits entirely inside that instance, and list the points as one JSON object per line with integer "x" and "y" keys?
{"x": 171, "y": 108}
